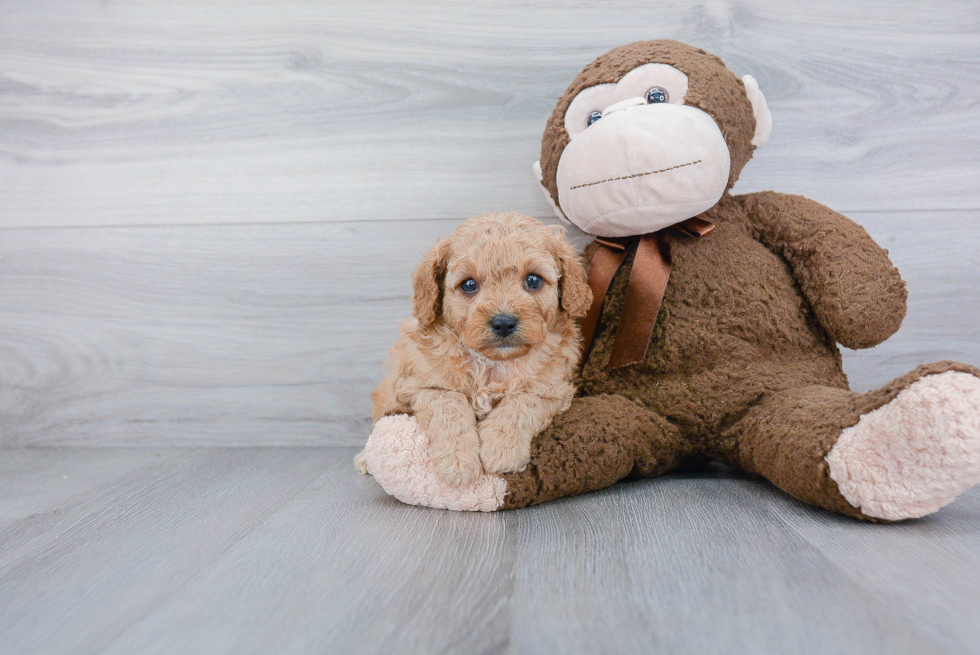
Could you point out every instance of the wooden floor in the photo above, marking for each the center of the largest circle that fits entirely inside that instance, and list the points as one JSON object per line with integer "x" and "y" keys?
{"x": 287, "y": 550}
{"x": 209, "y": 212}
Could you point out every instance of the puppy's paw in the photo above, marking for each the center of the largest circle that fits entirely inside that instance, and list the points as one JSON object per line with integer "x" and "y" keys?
{"x": 457, "y": 461}
{"x": 360, "y": 463}
{"x": 502, "y": 451}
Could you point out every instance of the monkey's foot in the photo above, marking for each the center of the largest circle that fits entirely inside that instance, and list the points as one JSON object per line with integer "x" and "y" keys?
{"x": 914, "y": 455}
{"x": 397, "y": 455}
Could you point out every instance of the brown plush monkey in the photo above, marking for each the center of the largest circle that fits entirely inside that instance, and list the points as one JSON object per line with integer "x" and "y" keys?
{"x": 715, "y": 333}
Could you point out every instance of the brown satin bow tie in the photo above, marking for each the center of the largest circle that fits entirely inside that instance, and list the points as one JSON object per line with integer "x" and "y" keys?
{"x": 644, "y": 294}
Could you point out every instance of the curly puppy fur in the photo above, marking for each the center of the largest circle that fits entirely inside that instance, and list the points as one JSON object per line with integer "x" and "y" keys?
{"x": 479, "y": 396}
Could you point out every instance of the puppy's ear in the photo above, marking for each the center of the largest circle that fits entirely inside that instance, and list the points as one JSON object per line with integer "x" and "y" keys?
{"x": 574, "y": 291}
{"x": 427, "y": 281}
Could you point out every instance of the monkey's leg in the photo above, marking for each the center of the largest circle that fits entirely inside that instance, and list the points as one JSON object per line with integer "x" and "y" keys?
{"x": 899, "y": 452}
{"x": 597, "y": 442}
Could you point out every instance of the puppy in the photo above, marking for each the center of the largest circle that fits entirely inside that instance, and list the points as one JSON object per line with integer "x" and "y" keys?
{"x": 489, "y": 357}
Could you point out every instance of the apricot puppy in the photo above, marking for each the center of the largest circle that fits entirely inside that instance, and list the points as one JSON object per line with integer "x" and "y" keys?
{"x": 489, "y": 357}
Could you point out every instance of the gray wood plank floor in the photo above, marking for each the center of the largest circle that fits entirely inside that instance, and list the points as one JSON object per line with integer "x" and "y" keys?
{"x": 289, "y": 551}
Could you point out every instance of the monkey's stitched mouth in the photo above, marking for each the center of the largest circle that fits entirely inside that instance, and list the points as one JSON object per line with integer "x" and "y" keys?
{"x": 629, "y": 177}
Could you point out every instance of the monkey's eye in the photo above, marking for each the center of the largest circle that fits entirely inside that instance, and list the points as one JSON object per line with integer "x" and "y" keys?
{"x": 593, "y": 117}
{"x": 533, "y": 281}
{"x": 657, "y": 94}
{"x": 469, "y": 286}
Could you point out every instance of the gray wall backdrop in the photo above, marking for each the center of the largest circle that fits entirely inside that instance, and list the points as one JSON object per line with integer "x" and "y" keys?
{"x": 208, "y": 215}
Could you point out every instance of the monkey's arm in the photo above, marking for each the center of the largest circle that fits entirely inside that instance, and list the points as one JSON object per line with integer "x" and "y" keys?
{"x": 857, "y": 294}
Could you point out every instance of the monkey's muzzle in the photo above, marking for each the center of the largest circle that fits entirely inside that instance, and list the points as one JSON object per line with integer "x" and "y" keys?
{"x": 642, "y": 168}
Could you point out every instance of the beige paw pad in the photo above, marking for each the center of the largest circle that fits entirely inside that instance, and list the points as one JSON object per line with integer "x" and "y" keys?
{"x": 914, "y": 455}
{"x": 398, "y": 457}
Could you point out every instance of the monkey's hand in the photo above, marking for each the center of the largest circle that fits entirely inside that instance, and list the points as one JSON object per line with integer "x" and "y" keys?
{"x": 855, "y": 291}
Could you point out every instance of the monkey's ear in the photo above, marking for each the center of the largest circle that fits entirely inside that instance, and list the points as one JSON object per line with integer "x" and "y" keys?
{"x": 427, "y": 281}
{"x": 763, "y": 119}
{"x": 547, "y": 194}
{"x": 573, "y": 286}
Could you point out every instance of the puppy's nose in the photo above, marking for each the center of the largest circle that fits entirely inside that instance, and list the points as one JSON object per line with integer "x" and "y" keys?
{"x": 503, "y": 325}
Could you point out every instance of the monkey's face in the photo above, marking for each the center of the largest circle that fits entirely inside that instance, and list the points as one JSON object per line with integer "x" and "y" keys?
{"x": 639, "y": 159}
{"x": 644, "y": 151}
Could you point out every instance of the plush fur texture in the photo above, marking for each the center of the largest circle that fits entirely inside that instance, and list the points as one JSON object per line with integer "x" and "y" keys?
{"x": 914, "y": 455}
{"x": 397, "y": 453}
{"x": 482, "y": 397}
{"x": 743, "y": 365}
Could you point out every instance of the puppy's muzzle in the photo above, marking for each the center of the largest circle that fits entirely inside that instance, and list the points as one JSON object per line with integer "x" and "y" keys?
{"x": 503, "y": 325}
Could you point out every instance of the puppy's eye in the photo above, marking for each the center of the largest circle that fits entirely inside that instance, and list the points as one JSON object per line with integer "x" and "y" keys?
{"x": 533, "y": 281}
{"x": 593, "y": 117}
{"x": 656, "y": 95}
{"x": 469, "y": 286}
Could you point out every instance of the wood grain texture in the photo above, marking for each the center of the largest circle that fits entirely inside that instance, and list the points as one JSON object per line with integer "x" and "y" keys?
{"x": 105, "y": 562}
{"x": 124, "y": 113}
{"x": 690, "y": 565}
{"x": 276, "y": 334}
{"x": 32, "y": 480}
{"x": 200, "y": 334}
{"x": 350, "y": 570}
{"x": 906, "y": 565}
{"x": 289, "y": 551}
